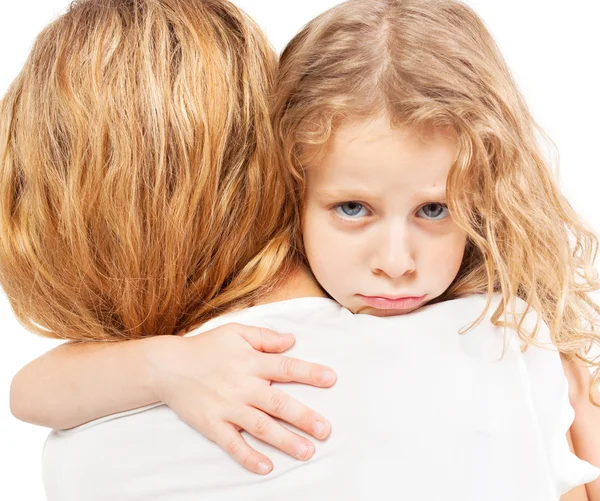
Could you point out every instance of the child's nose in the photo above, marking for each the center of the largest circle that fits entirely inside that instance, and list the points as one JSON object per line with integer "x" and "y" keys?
{"x": 393, "y": 255}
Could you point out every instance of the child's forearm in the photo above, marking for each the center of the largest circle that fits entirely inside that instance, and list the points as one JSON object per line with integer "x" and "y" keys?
{"x": 76, "y": 383}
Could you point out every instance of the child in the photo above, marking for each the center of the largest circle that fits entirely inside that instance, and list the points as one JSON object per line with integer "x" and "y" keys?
{"x": 377, "y": 84}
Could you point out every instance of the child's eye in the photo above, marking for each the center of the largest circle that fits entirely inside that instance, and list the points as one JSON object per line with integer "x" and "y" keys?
{"x": 351, "y": 210}
{"x": 434, "y": 211}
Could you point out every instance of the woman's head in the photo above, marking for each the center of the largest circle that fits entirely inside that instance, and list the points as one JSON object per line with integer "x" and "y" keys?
{"x": 140, "y": 194}
{"x": 428, "y": 67}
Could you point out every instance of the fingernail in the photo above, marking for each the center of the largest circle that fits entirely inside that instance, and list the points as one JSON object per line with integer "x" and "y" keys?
{"x": 319, "y": 428}
{"x": 301, "y": 451}
{"x": 327, "y": 377}
{"x": 263, "y": 468}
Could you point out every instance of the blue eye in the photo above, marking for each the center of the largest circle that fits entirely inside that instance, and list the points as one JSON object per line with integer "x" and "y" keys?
{"x": 350, "y": 210}
{"x": 434, "y": 211}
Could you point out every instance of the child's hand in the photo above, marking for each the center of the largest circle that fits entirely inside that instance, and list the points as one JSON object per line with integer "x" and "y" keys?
{"x": 218, "y": 382}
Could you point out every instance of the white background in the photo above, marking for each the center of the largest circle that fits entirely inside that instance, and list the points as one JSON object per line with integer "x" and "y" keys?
{"x": 553, "y": 48}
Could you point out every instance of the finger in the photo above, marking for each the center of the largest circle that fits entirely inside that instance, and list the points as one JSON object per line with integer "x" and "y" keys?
{"x": 287, "y": 369}
{"x": 263, "y": 339}
{"x": 279, "y": 404}
{"x": 231, "y": 441}
{"x": 265, "y": 428}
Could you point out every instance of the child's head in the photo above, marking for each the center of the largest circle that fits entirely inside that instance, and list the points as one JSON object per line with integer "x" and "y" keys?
{"x": 428, "y": 74}
{"x": 136, "y": 162}
{"x": 376, "y": 226}
{"x": 369, "y": 86}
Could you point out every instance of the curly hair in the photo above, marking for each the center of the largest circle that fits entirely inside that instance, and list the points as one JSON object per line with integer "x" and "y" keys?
{"x": 139, "y": 193}
{"x": 427, "y": 63}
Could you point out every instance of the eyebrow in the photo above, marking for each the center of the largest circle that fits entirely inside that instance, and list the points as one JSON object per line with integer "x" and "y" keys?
{"x": 346, "y": 194}
{"x": 433, "y": 192}
{"x": 361, "y": 193}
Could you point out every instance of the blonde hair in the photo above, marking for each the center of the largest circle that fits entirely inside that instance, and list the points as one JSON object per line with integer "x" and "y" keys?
{"x": 139, "y": 191}
{"x": 429, "y": 63}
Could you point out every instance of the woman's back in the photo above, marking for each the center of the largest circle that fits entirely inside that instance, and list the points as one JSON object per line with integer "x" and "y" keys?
{"x": 418, "y": 412}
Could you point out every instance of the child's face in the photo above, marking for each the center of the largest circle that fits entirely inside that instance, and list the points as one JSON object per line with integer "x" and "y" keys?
{"x": 375, "y": 225}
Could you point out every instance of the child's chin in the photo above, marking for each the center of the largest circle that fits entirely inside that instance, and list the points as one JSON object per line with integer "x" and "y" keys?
{"x": 376, "y": 312}
{"x": 390, "y": 313}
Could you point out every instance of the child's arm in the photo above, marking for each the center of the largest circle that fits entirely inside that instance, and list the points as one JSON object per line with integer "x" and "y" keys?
{"x": 77, "y": 382}
{"x": 218, "y": 382}
{"x": 585, "y": 430}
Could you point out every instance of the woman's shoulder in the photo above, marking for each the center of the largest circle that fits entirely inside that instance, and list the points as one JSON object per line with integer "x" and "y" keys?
{"x": 281, "y": 315}
{"x": 478, "y": 310}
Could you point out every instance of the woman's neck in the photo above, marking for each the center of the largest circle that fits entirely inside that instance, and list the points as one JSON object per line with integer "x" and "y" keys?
{"x": 300, "y": 283}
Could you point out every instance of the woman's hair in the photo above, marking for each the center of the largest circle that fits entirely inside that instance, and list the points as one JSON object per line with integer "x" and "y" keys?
{"x": 427, "y": 63}
{"x": 139, "y": 191}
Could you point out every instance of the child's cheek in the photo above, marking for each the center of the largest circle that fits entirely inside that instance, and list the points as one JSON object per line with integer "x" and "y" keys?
{"x": 456, "y": 247}
{"x": 326, "y": 249}
{"x": 316, "y": 239}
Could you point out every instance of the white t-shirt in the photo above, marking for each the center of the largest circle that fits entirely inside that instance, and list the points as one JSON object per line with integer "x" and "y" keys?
{"x": 418, "y": 412}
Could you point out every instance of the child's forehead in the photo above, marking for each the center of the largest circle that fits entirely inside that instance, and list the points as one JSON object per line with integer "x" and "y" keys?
{"x": 384, "y": 159}
{"x": 379, "y": 137}
{"x": 381, "y": 128}
{"x": 356, "y": 138}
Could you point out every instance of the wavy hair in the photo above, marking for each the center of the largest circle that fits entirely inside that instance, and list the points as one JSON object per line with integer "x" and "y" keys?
{"x": 427, "y": 63}
{"x": 139, "y": 191}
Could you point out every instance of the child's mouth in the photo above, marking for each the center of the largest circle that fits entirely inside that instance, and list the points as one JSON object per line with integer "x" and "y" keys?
{"x": 392, "y": 303}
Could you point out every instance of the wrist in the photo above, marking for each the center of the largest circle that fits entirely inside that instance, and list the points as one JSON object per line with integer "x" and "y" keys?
{"x": 160, "y": 355}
